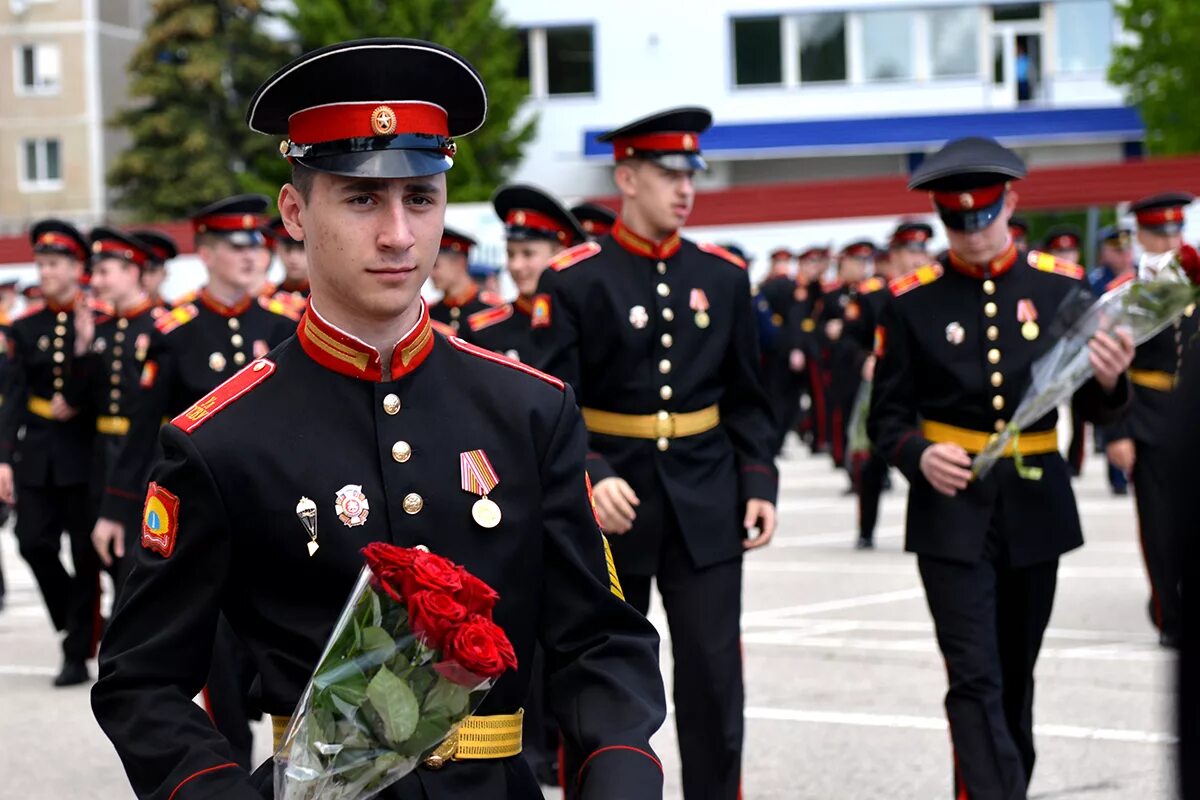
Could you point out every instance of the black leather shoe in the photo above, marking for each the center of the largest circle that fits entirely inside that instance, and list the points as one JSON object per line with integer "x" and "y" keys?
{"x": 1170, "y": 640}
{"x": 864, "y": 543}
{"x": 73, "y": 673}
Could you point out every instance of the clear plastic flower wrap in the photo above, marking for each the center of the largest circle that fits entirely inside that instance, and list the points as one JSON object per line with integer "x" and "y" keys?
{"x": 412, "y": 655}
{"x": 1162, "y": 293}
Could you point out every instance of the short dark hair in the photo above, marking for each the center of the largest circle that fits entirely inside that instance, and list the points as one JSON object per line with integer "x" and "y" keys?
{"x": 302, "y": 179}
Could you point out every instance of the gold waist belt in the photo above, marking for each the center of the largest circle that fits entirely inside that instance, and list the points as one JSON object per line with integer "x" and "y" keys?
{"x": 662, "y": 425}
{"x": 1153, "y": 379}
{"x": 113, "y": 426}
{"x": 477, "y": 738}
{"x": 40, "y": 407}
{"x": 974, "y": 442}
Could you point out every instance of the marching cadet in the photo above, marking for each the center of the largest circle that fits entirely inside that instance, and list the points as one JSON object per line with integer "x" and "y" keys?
{"x": 595, "y": 219}
{"x": 779, "y": 263}
{"x": 782, "y": 346}
{"x": 451, "y": 276}
{"x": 8, "y": 299}
{"x": 193, "y": 349}
{"x": 657, "y": 336}
{"x": 117, "y": 376}
{"x": 811, "y": 264}
{"x": 154, "y": 272}
{"x": 366, "y": 370}
{"x": 8, "y": 296}
{"x": 294, "y": 259}
{"x": 907, "y": 252}
{"x": 537, "y": 227}
{"x": 1137, "y": 444}
{"x": 1115, "y": 260}
{"x": 47, "y": 469}
{"x": 958, "y": 341}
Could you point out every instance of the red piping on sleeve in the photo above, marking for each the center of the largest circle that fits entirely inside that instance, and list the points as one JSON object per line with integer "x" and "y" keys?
{"x": 579, "y": 777}
{"x": 197, "y": 775}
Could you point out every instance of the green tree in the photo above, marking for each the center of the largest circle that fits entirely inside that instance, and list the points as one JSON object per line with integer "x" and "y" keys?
{"x": 473, "y": 28}
{"x": 1161, "y": 72}
{"x": 194, "y": 72}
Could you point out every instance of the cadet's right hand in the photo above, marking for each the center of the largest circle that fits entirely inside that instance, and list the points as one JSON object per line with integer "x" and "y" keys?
{"x": 108, "y": 536}
{"x": 6, "y": 484}
{"x": 1122, "y": 454}
{"x": 947, "y": 467}
{"x": 615, "y": 500}
{"x": 833, "y": 329}
{"x": 61, "y": 410}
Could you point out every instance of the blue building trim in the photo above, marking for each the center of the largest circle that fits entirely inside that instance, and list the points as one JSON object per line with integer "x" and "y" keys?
{"x": 902, "y": 134}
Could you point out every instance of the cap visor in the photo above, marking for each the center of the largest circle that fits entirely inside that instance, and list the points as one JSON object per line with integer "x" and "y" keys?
{"x": 381, "y": 163}
{"x": 971, "y": 221}
{"x": 682, "y": 162}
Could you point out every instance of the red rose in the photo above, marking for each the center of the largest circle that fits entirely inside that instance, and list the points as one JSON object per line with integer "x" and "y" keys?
{"x": 478, "y": 647}
{"x": 476, "y": 595}
{"x": 433, "y": 615}
{"x": 1189, "y": 259}
{"x": 384, "y": 558}
{"x": 430, "y": 572}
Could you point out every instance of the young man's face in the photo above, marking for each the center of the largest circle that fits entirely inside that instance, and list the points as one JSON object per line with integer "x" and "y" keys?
{"x": 295, "y": 261}
{"x": 239, "y": 267}
{"x": 1118, "y": 258}
{"x": 811, "y": 267}
{"x": 1159, "y": 243}
{"x": 449, "y": 270}
{"x": 115, "y": 280}
{"x": 905, "y": 260}
{"x": 664, "y": 196}
{"x": 152, "y": 279}
{"x": 371, "y": 242}
{"x": 852, "y": 269}
{"x": 58, "y": 275}
{"x": 980, "y": 247}
{"x": 527, "y": 261}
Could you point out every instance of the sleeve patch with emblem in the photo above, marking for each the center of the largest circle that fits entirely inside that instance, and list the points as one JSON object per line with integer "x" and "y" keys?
{"x": 160, "y": 521}
{"x": 149, "y": 374}
{"x": 541, "y": 312}
{"x": 880, "y": 348}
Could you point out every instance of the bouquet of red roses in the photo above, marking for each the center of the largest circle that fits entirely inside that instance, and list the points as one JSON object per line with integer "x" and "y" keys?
{"x": 412, "y": 655}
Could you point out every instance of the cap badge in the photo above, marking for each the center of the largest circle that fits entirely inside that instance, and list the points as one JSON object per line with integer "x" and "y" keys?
{"x": 519, "y": 218}
{"x": 383, "y": 121}
{"x": 247, "y": 221}
{"x": 966, "y": 200}
{"x": 97, "y": 247}
{"x": 955, "y": 334}
{"x": 351, "y": 505}
{"x": 689, "y": 142}
{"x": 284, "y": 146}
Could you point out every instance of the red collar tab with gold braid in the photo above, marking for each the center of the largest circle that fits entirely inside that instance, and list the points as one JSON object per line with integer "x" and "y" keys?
{"x": 533, "y": 220}
{"x": 345, "y": 354}
{"x": 204, "y": 409}
{"x": 228, "y": 222}
{"x": 136, "y": 311}
{"x": 524, "y": 305}
{"x": 641, "y": 246}
{"x": 60, "y": 308}
{"x": 669, "y": 142}
{"x": 457, "y": 301}
{"x": 54, "y": 239}
{"x": 209, "y": 301}
{"x": 998, "y": 266}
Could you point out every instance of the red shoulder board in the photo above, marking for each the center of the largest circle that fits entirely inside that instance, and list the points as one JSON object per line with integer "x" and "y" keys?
{"x": 180, "y": 315}
{"x": 251, "y": 375}
{"x": 486, "y": 319}
{"x": 871, "y": 285}
{"x": 442, "y": 328}
{"x": 31, "y": 309}
{"x": 573, "y": 255}
{"x": 721, "y": 252}
{"x": 1044, "y": 262}
{"x": 496, "y": 358}
{"x": 281, "y": 305}
{"x": 1121, "y": 281}
{"x": 923, "y": 276}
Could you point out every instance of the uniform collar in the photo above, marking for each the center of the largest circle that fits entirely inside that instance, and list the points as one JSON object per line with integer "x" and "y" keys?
{"x": 461, "y": 300}
{"x": 217, "y": 307}
{"x": 136, "y": 311}
{"x": 59, "y": 308}
{"x": 646, "y": 248}
{"x": 336, "y": 350}
{"x": 995, "y": 268}
{"x": 524, "y": 305}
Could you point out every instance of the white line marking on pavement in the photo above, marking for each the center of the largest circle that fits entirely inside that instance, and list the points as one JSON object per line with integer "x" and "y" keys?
{"x": 832, "y": 605}
{"x": 867, "y": 568}
{"x": 839, "y": 537}
{"x": 16, "y": 669}
{"x": 904, "y": 626}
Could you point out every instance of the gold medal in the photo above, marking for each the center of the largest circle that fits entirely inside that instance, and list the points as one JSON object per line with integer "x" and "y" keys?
{"x": 702, "y": 319}
{"x": 486, "y": 513}
{"x": 1030, "y": 330}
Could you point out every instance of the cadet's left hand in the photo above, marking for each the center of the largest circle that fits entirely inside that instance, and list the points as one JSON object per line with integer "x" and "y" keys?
{"x": 1110, "y": 357}
{"x": 60, "y": 409}
{"x": 868, "y": 370}
{"x": 85, "y": 326}
{"x": 760, "y": 514}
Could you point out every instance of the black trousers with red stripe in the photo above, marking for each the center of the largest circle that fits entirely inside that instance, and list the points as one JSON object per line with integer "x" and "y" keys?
{"x": 1159, "y": 537}
{"x": 990, "y": 618}
{"x": 704, "y": 616}
{"x": 44, "y": 513}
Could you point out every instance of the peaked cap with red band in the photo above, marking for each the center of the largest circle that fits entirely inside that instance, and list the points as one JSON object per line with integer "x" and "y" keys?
{"x": 112, "y": 243}
{"x": 967, "y": 180}
{"x": 595, "y": 219}
{"x": 372, "y": 108}
{"x": 162, "y": 247}
{"x": 530, "y": 213}
{"x": 911, "y": 236}
{"x": 859, "y": 249}
{"x": 456, "y": 241}
{"x": 277, "y": 233}
{"x": 239, "y": 219}
{"x": 1062, "y": 237}
{"x": 56, "y": 236}
{"x": 1162, "y": 213}
{"x": 670, "y": 138}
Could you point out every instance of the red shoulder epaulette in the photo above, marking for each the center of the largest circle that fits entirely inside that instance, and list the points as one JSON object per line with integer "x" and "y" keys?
{"x": 489, "y": 317}
{"x": 283, "y": 306}
{"x": 572, "y": 256}
{"x": 721, "y": 252}
{"x": 496, "y": 358}
{"x": 1121, "y": 281}
{"x": 176, "y": 317}
{"x": 921, "y": 277}
{"x": 442, "y": 328}
{"x": 873, "y": 284}
{"x": 31, "y": 309}
{"x": 1045, "y": 262}
{"x": 203, "y": 410}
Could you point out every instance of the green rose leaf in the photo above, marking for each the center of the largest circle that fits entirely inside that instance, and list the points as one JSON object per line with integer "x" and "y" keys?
{"x": 447, "y": 699}
{"x": 396, "y": 705}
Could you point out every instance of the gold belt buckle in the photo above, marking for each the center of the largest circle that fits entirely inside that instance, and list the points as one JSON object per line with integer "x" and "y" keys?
{"x": 664, "y": 425}
{"x": 443, "y": 752}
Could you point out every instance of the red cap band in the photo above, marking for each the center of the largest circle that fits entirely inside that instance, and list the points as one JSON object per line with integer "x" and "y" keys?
{"x": 337, "y": 121}
{"x": 911, "y": 235}
{"x": 969, "y": 201}
{"x": 524, "y": 218}
{"x": 859, "y": 251}
{"x": 455, "y": 243}
{"x": 1064, "y": 242}
{"x": 228, "y": 222}
{"x": 1160, "y": 216}
{"x": 118, "y": 249}
{"x": 629, "y": 146}
{"x": 55, "y": 239}
{"x": 595, "y": 227}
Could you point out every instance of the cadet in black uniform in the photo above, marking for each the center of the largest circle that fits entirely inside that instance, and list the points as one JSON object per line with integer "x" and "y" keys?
{"x": 368, "y": 402}
{"x": 781, "y": 344}
{"x": 294, "y": 259}
{"x": 595, "y": 219}
{"x": 801, "y": 324}
{"x": 451, "y": 276}
{"x": 657, "y": 336}
{"x": 51, "y": 462}
{"x": 118, "y": 375}
{"x": 958, "y": 343}
{"x": 154, "y": 272}
{"x": 1063, "y": 241}
{"x": 537, "y": 227}
{"x": 1137, "y": 444}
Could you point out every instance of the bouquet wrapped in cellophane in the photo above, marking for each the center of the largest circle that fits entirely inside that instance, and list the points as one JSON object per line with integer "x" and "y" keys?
{"x": 1163, "y": 291}
{"x": 412, "y": 655}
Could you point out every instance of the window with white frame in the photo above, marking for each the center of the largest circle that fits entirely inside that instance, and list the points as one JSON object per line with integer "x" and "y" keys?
{"x": 888, "y": 47}
{"x": 41, "y": 165}
{"x": 37, "y": 69}
{"x": 1083, "y": 35}
{"x": 822, "y": 41}
{"x": 559, "y": 60}
{"x": 953, "y": 42}
{"x": 758, "y": 51}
